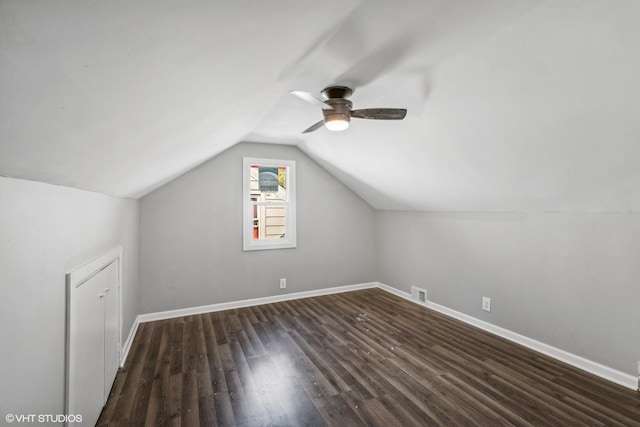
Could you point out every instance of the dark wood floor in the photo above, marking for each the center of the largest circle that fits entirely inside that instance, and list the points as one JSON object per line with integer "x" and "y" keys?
{"x": 357, "y": 358}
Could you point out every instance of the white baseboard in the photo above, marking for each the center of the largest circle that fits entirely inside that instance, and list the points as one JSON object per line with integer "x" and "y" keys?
{"x": 251, "y": 302}
{"x": 579, "y": 362}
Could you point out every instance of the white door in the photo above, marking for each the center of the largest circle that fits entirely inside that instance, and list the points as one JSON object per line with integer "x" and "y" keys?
{"x": 93, "y": 352}
{"x": 87, "y": 382}
{"x": 111, "y": 328}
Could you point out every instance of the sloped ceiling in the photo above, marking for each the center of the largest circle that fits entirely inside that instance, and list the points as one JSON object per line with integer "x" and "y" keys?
{"x": 513, "y": 105}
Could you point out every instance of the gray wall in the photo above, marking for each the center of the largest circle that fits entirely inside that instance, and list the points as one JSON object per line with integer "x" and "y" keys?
{"x": 45, "y": 231}
{"x": 191, "y": 236}
{"x": 570, "y": 280}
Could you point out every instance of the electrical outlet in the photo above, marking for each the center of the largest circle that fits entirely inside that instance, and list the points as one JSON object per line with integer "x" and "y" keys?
{"x": 486, "y": 304}
{"x": 283, "y": 283}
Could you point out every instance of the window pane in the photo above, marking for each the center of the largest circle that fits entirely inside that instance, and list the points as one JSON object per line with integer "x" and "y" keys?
{"x": 268, "y": 183}
{"x": 270, "y": 222}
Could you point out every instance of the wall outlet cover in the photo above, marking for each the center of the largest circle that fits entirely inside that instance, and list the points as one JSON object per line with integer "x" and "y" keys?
{"x": 486, "y": 304}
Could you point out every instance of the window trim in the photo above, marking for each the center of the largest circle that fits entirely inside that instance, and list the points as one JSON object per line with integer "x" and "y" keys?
{"x": 287, "y": 242}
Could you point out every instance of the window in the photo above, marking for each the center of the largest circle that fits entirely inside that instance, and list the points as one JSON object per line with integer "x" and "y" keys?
{"x": 269, "y": 202}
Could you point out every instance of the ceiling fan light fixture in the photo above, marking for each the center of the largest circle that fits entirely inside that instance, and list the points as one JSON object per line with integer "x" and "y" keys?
{"x": 337, "y": 122}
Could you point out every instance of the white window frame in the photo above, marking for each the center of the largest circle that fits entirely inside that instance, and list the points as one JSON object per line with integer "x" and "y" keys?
{"x": 289, "y": 239}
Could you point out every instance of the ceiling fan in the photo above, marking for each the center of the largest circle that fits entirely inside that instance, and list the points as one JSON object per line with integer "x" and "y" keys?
{"x": 337, "y": 111}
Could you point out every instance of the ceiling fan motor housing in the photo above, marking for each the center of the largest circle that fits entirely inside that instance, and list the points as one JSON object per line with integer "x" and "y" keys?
{"x": 340, "y": 110}
{"x": 333, "y": 92}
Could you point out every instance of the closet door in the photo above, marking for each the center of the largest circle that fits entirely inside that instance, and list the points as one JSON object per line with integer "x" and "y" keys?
{"x": 93, "y": 334}
{"x": 87, "y": 382}
{"x": 111, "y": 327}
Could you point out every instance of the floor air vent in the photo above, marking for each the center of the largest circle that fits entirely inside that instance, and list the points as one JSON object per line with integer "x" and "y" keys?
{"x": 419, "y": 294}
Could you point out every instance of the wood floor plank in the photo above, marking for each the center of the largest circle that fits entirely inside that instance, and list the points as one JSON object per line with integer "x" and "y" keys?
{"x": 427, "y": 395}
{"x": 132, "y": 372}
{"x": 176, "y": 336}
{"x": 249, "y": 329}
{"x": 190, "y": 409}
{"x": 273, "y": 389}
{"x": 224, "y": 409}
{"x": 145, "y": 383}
{"x": 206, "y": 408}
{"x": 331, "y": 382}
{"x": 173, "y": 400}
{"x": 337, "y": 412}
{"x": 541, "y": 388}
{"x": 216, "y": 372}
{"x": 154, "y": 413}
{"x": 358, "y": 358}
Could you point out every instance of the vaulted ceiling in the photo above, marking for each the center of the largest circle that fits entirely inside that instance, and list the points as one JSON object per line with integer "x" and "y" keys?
{"x": 513, "y": 105}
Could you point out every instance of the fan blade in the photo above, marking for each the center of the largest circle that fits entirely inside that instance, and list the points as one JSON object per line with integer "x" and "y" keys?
{"x": 310, "y": 98}
{"x": 379, "y": 62}
{"x": 380, "y": 113}
{"x": 314, "y": 127}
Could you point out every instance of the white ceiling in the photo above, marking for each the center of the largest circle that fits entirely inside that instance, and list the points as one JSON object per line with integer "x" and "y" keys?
{"x": 513, "y": 105}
